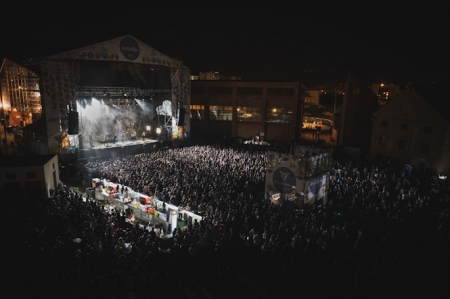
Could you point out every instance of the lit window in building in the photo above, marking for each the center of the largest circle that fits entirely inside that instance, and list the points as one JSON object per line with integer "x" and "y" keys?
{"x": 221, "y": 113}
{"x": 248, "y": 113}
{"x": 197, "y": 111}
{"x": 278, "y": 115}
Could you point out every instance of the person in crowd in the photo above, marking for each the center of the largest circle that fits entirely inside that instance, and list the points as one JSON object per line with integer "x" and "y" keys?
{"x": 350, "y": 243}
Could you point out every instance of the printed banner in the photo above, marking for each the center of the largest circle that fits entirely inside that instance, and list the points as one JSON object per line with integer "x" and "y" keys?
{"x": 57, "y": 91}
{"x": 125, "y": 48}
{"x": 297, "y": 177}
{"x": 284, "y": 175}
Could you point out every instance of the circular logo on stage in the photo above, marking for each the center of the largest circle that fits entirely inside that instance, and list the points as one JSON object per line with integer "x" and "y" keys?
{"x": 315, "y": 184}
{"x": 129, "y": 48}
{"x": 284, "y": 180}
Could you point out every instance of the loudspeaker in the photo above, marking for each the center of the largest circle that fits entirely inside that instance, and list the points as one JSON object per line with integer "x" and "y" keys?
{"x": 80, "y": 141}
{"x": 73, "y": 123}
{"x": 181, "y": 113}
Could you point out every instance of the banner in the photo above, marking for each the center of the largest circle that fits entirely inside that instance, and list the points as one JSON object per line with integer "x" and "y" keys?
{"x": 57, "y": 91}
{"x": 297, "y": 177}
{"x": 125, "y": 48}
{"x": 284, "y": 175}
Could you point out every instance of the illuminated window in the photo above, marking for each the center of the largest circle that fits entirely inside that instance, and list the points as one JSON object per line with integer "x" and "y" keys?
{"x": 278, "y": 115}
{"x": 248, "y": 113}
{"x": 197, "y": 111}
{"x": 221, "y": 113}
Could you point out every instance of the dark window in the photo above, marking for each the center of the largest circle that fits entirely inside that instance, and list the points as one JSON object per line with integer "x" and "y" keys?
{"x": 384, "y": 124}
{"x": 272, "y": 91}
{"x": 427, "y": 129}
{"x": 220, "y": 90}
{"x": 249, "y": 90}
{"x": 31, "y": 175}
{"x": 404, "y": 126}
{"x": 383, "y": 140}
{"x": 424, "y": 149}
{"x": 402, "y": 144}
{"x": 10, "y": 176}
{"x": 197, "y": 90}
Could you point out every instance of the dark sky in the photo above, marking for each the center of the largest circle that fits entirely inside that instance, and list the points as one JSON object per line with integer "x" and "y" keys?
{"x": 390, "y": 42}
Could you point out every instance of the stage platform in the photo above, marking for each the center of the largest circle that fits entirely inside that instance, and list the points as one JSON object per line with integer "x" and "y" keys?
{"x": 118, "y": 149}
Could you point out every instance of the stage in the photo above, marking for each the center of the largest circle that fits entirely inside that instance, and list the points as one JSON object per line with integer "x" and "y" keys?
{"x": 120, "y": 148}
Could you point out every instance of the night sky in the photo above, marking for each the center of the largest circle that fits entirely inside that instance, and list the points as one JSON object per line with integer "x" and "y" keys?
{"x": 389, "y": 42}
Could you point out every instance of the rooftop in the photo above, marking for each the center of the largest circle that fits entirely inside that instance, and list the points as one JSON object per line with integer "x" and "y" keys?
{"x": 23, "y": 161}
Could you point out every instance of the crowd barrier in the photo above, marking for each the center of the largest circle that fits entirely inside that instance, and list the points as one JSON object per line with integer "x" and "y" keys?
{"x": 146, "y": 208}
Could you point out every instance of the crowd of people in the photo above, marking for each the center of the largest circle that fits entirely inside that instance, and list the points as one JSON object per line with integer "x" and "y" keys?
{"x": 380, "y": 231}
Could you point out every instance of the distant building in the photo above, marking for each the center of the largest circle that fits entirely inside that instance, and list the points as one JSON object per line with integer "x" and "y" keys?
{"x": 415, "y": 128}
{"x": 385, "y": 92}
{"x": 28, "y": 177}
{"x": 247, "y": 110}
{"x": 312, "y": 97}
{"x": 359, "y": 104}
{"x": 213, "y": 76}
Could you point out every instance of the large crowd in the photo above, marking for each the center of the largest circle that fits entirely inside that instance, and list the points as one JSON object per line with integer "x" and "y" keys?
{"x": 381, "y": 232}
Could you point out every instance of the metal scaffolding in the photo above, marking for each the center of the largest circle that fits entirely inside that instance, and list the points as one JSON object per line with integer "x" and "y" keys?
{"x": 20, "y": 92}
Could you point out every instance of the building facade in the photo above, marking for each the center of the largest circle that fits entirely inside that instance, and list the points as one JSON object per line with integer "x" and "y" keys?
{"x": 415, "y": 128}
{"x": 28, "y": 177}
{"x": 359, "y": 104}
{"x": 249, "y": 110}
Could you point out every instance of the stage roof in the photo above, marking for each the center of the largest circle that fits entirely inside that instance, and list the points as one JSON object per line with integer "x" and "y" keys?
{"x": 125, "y": 48}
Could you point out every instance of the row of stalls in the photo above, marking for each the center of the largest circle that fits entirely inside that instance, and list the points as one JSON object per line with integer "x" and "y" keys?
{"x": 146, "y": 208}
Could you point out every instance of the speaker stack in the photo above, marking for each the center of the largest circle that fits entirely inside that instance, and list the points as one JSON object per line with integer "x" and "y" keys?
{"x": 73, "y": 123}
{"x": 181, "y": 113}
